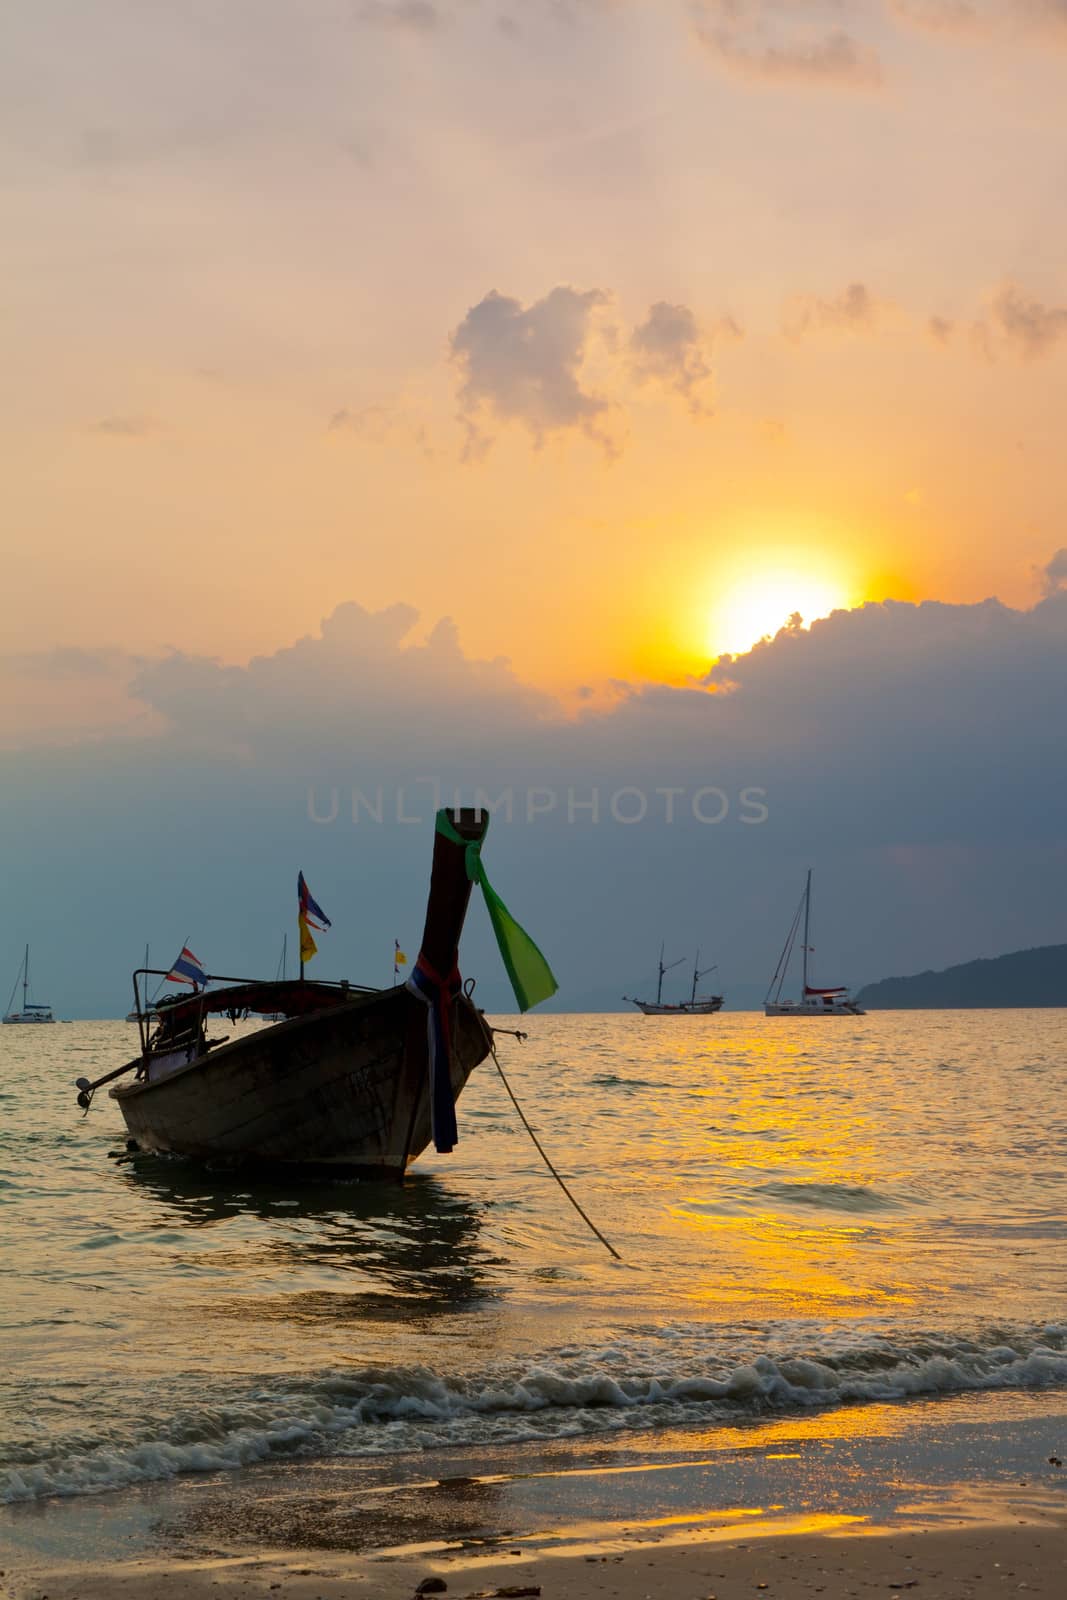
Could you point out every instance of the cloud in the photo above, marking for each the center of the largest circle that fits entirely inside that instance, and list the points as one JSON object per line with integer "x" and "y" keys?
{"x": 932, "y": 685}
{"x": 1054, "y": 573}
{"x": 362, "y": 682}
{"x": 670, "y": 349}
{"x": 892, "y": 721}
{"x": 940, "y": 329}
{"x": 985, "y": 19}
{"x": 778, "y": 43}
{"x": 125, "y": 427}
{"x": 1047, "y": 13}
{"x": 910, "y": 752}
{"x": 382, "y": 425}
{"x": 524, "y": 364}
{"x": 854, "y": 310}
{"x": 414, "y": 16}
{"x": 68, "y": 696}
{"x": 1020, "y": 325}
{"x": 66, "y": 663}
{"x": 942, "y": 16}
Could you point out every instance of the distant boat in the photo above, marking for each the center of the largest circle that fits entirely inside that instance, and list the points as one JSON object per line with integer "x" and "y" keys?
{"x": 29, "y": 1012}
{"x": 693, "y": 1007}
{"x": 279, "y": 977}
{"x": 813, "y": 1002}
{"x": 135, "y": 1016}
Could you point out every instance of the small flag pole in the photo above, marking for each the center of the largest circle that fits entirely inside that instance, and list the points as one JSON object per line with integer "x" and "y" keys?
{"x": 185, "y": 946}
{"x": 399, "y": 960}
{"x": 306, "y": 908}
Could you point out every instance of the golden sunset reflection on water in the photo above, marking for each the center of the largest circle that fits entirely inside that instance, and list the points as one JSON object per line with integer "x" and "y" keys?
{"x": 771, "y": 1171}
{"x": 814, "y": 1154}
{"x": 813, "y": 1217}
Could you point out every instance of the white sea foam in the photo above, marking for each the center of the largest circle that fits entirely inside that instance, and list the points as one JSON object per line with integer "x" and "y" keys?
{"x": 674, "y": 1381}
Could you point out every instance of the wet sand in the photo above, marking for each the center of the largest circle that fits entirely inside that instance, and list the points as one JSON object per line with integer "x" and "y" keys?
{"x": 962, "y": 1499}
{"x": 1018, "y": 1554}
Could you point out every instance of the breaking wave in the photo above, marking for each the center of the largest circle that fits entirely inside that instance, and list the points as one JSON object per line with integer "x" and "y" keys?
{"x": 675, "y": 1381}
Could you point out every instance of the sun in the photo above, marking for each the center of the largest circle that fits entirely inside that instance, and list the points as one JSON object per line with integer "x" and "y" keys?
{"x": 757, "y": 607}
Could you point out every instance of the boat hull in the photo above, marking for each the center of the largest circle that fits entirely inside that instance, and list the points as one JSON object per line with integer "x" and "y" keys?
{"x": 808, "y": 1008}
{"x": 344, "y": 1088}
{"x": 696, "y": 1008}
{"x": 31, "y": 1021}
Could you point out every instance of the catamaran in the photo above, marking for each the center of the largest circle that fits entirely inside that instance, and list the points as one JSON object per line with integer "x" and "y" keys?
{"x": 29, "y": 1012}
{"x": 813, "y": 1002}
{"x": 695, "y": 1006}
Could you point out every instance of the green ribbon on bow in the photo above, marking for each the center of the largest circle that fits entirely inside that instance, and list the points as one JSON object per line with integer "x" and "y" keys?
{"x": 530, "y": 974}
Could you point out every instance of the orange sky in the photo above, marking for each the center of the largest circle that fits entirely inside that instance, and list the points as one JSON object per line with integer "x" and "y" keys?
{"x": 249, "y": 270}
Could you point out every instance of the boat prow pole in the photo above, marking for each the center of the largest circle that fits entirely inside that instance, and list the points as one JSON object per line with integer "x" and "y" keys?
{"x": 446, "y": 912}
{"x": 450, "y": 889}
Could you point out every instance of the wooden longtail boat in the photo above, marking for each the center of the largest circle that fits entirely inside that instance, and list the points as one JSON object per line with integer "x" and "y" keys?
{"x": 343, "y": 1081}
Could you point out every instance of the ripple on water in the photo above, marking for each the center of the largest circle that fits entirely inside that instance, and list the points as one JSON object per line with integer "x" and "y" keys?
{"x": 776, "y": 1191}
{"x": 831, "y": 1196}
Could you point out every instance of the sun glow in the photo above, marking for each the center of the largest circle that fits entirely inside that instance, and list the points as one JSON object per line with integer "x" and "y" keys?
{"x": 758, "y": 606}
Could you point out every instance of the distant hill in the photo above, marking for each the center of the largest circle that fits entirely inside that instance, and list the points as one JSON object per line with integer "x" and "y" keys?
{"x": 1024, "y": 978}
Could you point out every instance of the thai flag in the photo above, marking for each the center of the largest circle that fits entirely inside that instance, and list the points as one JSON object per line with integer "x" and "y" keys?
{"x": 309, "y": 907}
{"x": 187, "y": 969}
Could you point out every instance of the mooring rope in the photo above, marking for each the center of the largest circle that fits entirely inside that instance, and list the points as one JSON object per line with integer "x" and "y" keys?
{"x": 544, "y": 1157}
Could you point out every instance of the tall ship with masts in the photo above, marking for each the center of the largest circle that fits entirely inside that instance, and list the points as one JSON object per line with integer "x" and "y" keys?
{"x": 696, "y": 1006}
{"x": 813, "y": 1002}
{"x": 29, "y": 1012}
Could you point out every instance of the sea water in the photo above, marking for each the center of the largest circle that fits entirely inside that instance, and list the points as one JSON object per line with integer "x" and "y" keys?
{"x": 811, "y": 1214}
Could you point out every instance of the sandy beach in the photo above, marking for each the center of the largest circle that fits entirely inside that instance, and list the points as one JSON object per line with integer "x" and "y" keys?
{"x": 1022, "y": 1549}
{"x": 962, "y": 1499}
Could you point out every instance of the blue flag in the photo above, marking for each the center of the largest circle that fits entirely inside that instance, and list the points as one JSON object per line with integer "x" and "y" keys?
{"x": 310, "y": 907}
{"x": 187, "y": 969}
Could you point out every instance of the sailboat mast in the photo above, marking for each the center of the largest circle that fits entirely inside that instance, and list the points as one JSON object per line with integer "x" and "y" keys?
{"x": 696, "y": 975}
{"x": 25, "y": 975}
{"x": 807, "y": 928}
{"x": 662, "y": 969}
{"x": 285, "y": 951}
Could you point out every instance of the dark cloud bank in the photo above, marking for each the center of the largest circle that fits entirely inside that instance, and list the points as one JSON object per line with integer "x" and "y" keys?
{"x": 913, "y": 754}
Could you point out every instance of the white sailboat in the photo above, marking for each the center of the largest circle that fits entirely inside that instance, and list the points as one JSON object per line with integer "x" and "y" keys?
{"x": 29, "y": 1012}
{"x": 813, "y": 1002}
{"x": 279, "y": 976}
{"x": 696, "y": 1006}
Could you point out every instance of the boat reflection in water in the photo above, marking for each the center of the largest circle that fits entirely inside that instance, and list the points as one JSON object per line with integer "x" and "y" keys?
{"x": 404, "y": 1251}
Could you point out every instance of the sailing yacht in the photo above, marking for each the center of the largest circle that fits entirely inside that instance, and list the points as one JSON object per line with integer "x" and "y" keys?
{"x": 695, "y": 1006}
{"x": 813, "y": 1002}
{"x": 29, "y": 1012}
{"x": 279, "y": 976}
